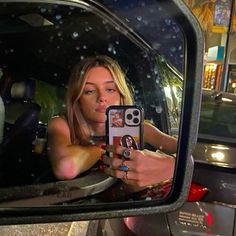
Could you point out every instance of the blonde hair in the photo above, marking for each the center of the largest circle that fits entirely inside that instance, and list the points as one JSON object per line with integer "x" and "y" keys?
{"x": 79, "y": 130}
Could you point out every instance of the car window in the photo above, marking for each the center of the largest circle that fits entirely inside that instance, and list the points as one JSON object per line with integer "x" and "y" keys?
{"x": 218, "y": 119}
{"x": 141, "y": 16}
{"x": 40, "y": 43}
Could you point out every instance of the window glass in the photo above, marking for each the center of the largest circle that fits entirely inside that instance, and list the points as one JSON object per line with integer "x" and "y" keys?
{"x": 39, "y": 45}
{"x": 218, "y": 120}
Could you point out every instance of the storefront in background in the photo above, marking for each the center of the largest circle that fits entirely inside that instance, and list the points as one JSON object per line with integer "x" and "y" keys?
{"x": 218, "y": 21}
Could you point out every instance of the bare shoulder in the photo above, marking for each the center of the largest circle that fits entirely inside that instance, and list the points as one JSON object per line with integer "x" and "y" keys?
{"x": 57, "y": 122}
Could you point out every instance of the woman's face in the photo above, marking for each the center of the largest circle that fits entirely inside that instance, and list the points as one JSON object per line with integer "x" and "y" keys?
{"x": 100, "y": 91}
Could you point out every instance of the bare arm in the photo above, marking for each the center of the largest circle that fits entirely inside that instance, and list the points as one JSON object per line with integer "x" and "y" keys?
{"x": 68, "y": 160}
{"x": 159, "y": 140}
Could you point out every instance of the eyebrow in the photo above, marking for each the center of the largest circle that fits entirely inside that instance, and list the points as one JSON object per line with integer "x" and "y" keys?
{"x": 106, "y": 82}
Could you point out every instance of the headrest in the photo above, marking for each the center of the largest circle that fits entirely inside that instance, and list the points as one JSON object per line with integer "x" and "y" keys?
{"x": 23, "y": 89}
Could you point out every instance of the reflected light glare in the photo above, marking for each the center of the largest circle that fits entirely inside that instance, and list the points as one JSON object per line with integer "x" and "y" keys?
{"x": 220, "y": 147}
{"x": 226, "y": 100}
{"x": 168, "y": 92}
{"x": 126, "y": 220}
{"x": 209, "y": 219}
{"x": 218, "y": 156}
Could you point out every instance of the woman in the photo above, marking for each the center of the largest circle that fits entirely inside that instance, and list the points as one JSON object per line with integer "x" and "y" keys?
{"x": 76, "y": 140}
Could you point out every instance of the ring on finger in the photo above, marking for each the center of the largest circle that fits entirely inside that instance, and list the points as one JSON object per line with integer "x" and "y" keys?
{"x": 126, "y": 153}
{"x": 123, "y": 168}
{"x": 126, "y": 175}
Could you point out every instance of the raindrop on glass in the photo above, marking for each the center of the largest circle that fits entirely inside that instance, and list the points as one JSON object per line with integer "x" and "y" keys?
{"x": 145, "y": 22}
{"x": 58, "y": 17}
{"x": 75, "y": 35}
{"x": 168, "y": 22}
{"x": 59, "y": 34}
{"x": 110, "y": 48}
{"x": 43, "y": 10}
{"x": 51, "y": 38}
{"x": 159, "y": 109}
{"x": 156, "y": 45}
{"x": 139, "y": 18}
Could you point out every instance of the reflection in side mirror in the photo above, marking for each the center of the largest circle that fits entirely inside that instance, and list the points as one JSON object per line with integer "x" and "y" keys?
{"x": 55, "y": 100}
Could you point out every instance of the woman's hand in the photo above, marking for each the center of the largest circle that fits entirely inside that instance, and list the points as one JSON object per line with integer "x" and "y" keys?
{"x": 138, "y": 168}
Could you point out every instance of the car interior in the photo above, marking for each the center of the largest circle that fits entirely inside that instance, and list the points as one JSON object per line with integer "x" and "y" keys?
{"x": 33, "y": 82}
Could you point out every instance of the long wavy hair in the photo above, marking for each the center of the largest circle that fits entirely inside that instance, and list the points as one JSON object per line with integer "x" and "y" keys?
{"x": 79, "y": 129}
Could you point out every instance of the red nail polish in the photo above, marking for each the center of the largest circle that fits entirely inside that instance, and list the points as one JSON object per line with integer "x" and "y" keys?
{"x": 102, "y": 167}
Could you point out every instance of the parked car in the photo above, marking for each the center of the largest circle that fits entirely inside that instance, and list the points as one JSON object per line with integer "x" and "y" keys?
{"x": 211, "y": 206}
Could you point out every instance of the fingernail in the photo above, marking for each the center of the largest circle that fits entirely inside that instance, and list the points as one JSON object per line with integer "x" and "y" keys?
{"x": 102, "y": 167}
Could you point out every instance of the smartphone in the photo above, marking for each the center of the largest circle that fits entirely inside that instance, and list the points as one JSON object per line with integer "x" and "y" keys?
{"x": 124, "y": 126}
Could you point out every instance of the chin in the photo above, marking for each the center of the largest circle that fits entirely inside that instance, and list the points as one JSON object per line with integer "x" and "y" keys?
{"x": 100, "y": 116}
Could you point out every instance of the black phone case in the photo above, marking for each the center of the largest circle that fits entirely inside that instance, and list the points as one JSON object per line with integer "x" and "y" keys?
{"x": 124, "y": 126}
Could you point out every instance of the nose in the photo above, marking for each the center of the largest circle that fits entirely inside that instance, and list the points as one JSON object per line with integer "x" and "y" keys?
{"x": 101, "y": 97}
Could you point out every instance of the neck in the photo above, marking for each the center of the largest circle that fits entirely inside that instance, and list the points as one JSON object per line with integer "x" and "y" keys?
{"x": 98, "y": 129}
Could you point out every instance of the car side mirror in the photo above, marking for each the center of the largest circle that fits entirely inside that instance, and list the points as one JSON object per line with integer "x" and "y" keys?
{"x": 159, "y": 43}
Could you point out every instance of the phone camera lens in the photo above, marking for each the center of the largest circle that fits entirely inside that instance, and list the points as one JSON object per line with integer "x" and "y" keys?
{"x": 136, "y": 120}
{"x": 135, "y": 113}
{"x": 129, "y": 116}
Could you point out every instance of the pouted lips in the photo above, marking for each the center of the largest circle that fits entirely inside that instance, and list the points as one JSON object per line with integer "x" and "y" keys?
{"x": 101, "y": 109}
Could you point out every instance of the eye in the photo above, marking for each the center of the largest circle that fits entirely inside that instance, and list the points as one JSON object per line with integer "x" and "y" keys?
{"x": 111, "y": 90}
{"x": 89, "y": 91}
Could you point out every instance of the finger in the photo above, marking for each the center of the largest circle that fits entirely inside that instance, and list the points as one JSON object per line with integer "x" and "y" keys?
{"x": 112, "y": 161}
{"x": 122, "y": 151}
{"x": 124, "y": 175}
{"x": 117, "y": 163}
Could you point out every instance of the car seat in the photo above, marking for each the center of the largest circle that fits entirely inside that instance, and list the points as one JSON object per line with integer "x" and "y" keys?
{"x": 21, "y": 123}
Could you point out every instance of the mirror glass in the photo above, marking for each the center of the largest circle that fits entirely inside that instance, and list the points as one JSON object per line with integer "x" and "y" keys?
{"x": 39, "y": 45}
